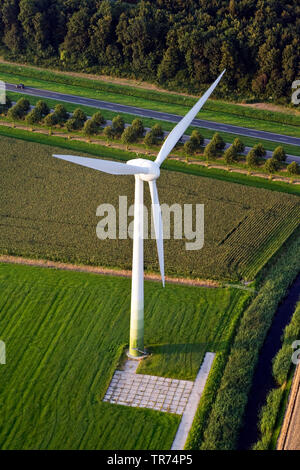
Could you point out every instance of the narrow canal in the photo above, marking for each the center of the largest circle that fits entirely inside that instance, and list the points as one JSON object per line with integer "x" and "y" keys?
{"x": 263, "y": 380}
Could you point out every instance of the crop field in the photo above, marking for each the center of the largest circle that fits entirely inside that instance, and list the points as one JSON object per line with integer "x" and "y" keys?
{"x": 55, "y": 323}
{"x": 48, "y": 210}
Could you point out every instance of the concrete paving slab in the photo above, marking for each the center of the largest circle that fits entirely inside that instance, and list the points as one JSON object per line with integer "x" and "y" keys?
{"x": 192, "y": 403}
{"x": 131, "y": 389}
{"x": 159, "y": 393}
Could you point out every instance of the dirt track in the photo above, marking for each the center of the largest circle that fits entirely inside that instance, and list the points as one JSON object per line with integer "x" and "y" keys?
{"x": 104, "y": 271}
{"x": 290, "y": 433}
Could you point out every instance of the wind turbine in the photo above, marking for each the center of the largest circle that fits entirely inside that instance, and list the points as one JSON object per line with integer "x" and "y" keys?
{"x": 144, "y": 170}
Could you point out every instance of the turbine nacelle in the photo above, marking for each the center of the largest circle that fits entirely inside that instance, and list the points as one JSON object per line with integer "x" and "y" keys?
{"x": 152, "y": 167}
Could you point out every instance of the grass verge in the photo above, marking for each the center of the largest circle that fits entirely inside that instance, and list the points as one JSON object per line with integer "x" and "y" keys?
{"x": 175, "y": 104}
{"x": 166, "y": 126}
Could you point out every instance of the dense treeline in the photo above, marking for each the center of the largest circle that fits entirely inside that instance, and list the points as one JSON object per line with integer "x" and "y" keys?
{"x": 180, "y": 44}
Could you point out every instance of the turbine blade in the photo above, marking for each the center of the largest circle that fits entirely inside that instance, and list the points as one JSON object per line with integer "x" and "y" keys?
{"x": 181, "y": 127}
{"x": 158, "y": 228}
{"x": 107, "y": 166}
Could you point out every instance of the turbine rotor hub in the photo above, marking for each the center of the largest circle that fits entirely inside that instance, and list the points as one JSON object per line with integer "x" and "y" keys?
{"x": 153, "y": 167}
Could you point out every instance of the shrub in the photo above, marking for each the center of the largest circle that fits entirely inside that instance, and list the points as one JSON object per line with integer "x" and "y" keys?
{"x": 15, "y": 112}
{"x": 157, "y": 131}
{"x": 138, "y": 126}
{"x": 282, "y": 363}
{"x": 109, "y": 132}
{"x": 252, "y": 158}
{"x": 230, "y": 154}
{"x": 98, "y": 119}
{"x": 24, "y": 105}
{"x": 150, "y": 139}
{"x": 239, "y": 145}
{"x": 259, "y": 150}
{"x": 34, "y": 116}
{"x": 129, "y": 135}
{"x": 61, "y": 114}
{"x": 90, "y": 127}
{"x": 268, "y": 416}
{"x": 279, "y": 154}
{"x": 80, "y": 117}
{"x": 42, "y": 107}
{"x": 118, "y": 125}
{"x": 197, "y": 139}
{"x": 50, "y": 120}
{"x": 71, "y": 124}
{"x": 210, "y": 150}
{"x": 218, "y": 141}
{"x": 19, "y": 110}
{"x": 189, "y": 147}
{"x": 271, "y": 165}
{"x": 293, "y": 168}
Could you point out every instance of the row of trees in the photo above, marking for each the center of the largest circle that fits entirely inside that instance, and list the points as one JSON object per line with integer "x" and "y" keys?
{"x": 231, "y": 155}
{"x": 183, "y": 44}
{"x": 41, "y": 113}
{"x": 78, "y": 121}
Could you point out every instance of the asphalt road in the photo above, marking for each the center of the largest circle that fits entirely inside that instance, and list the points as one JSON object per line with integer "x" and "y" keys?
{"x": 121, "y": 108}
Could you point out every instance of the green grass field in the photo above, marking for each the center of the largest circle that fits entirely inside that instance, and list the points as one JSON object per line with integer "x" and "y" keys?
{"x": 149, "y": 122}
{"x": 64, "y": 334}
{"x": 59, "y": 83}
{"x": 49, "y": 211}
{"x": 65, "y": 331}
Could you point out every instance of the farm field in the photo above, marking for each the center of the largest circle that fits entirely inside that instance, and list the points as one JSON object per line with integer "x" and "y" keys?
{"x": 49, "y": 207}
{"x": 54, "y": 323}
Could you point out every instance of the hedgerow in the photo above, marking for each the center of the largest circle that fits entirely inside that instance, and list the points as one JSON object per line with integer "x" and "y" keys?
{"x": 226, "y": 417}
{"x": 282, "y": 365}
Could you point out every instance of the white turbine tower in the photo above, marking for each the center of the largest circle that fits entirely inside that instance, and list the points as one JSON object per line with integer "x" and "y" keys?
{"x": 144, "y": 170}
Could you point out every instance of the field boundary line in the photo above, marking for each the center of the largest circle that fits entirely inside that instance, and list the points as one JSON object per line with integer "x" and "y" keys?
{"x": 43, "y": 263}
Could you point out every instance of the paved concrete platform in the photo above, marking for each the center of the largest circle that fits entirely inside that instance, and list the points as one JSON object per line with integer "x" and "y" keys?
{"x": 193, "y": 402}
{"x": 148, "y": 391}
{"x": 159, "y": 393}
